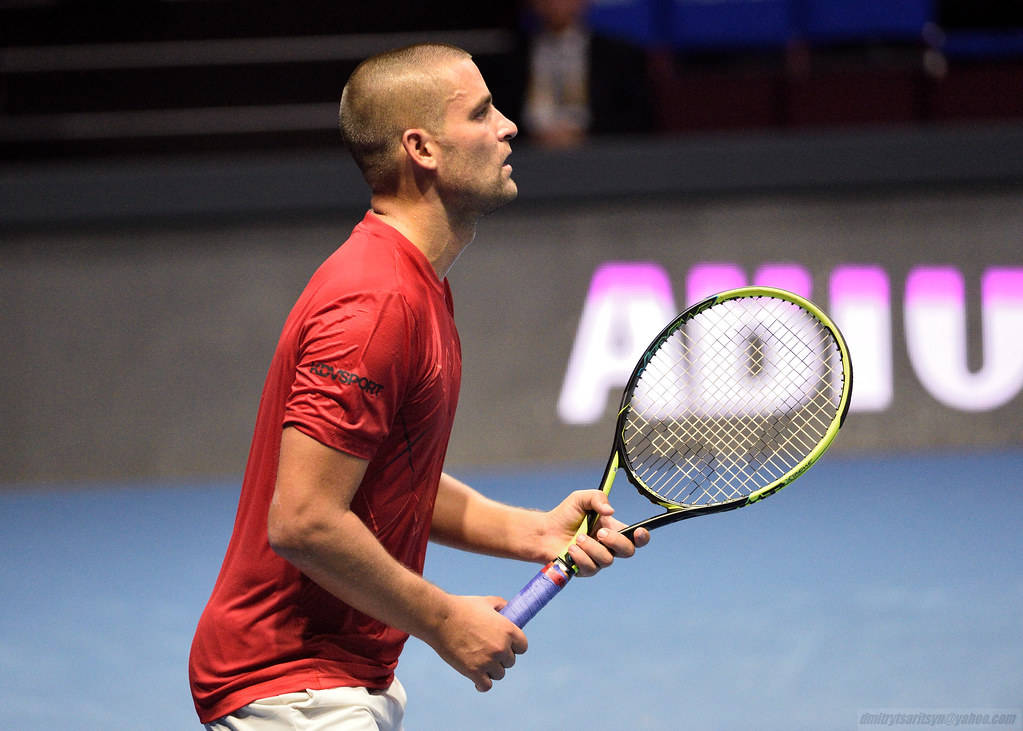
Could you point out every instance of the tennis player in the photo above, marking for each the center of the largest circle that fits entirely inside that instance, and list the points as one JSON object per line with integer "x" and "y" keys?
{"x": 321, "y": 584}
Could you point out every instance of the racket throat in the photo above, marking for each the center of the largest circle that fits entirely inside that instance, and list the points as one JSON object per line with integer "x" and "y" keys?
{"x": 674, "y": 516}
{"x": 588, "y": 526}
{"x": 610, "y": 472}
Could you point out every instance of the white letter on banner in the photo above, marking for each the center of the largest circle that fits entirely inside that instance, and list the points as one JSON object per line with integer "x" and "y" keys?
{"x": 708, "y": 278}
{"x": 861, "y": 307}
{"x": 627, "y": 305}
{"x": 936, "y": 336}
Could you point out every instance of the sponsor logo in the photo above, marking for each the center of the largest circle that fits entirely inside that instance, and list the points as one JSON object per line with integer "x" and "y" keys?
{"x": 346, "y": 378}
{"x": 964, "y": 369}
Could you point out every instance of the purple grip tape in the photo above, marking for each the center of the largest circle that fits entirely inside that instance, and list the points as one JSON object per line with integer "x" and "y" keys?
{"x": 535, "y": 595}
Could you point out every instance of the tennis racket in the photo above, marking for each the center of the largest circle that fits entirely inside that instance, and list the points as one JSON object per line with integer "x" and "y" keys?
{"x": 733, "y": 400}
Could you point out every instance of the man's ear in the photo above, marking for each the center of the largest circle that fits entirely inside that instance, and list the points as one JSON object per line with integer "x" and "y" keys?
{"x": 420, "y": 147}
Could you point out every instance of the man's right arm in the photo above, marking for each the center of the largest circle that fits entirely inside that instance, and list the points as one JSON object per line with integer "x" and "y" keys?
{"x": 311, "y": 525}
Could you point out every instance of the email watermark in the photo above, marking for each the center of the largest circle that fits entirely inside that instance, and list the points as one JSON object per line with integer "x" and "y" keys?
{"x": 992, "y": 719}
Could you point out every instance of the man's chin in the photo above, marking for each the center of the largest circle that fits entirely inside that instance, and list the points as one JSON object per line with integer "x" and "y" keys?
{"x": 509, "y": 192}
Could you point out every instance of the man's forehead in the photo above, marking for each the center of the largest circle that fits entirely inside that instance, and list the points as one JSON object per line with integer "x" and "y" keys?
{"x": 465, "y": 85}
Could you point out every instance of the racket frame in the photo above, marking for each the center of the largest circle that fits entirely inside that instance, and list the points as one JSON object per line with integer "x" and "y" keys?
{"x": 556, "y": 574}
{"x": 675, "y": 512}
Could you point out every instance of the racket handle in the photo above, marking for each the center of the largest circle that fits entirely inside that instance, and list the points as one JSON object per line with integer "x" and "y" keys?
{"x": 534, "y": 596}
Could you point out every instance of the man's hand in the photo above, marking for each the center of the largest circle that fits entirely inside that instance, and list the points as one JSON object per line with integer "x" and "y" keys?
{"x": 477, "y": 641}
{"x": 591, "y": 554}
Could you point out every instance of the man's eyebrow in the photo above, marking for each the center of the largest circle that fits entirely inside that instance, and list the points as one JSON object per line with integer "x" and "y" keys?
{"x": 483, "y": 103}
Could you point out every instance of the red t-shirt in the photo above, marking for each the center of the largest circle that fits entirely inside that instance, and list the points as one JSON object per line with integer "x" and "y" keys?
{"x": 369, "y": 362}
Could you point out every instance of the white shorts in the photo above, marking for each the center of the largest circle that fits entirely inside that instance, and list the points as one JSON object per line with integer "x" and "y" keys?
{"x": 337, "y": 709}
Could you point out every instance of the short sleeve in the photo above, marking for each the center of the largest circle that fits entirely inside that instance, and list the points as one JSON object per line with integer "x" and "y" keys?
{"x": 352, "y": 372}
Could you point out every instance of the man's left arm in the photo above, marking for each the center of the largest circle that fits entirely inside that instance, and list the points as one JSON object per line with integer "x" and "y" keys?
{"x": 467, "y": 520}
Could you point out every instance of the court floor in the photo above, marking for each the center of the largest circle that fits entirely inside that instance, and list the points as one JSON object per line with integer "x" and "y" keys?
{"x": 889, "y": 584}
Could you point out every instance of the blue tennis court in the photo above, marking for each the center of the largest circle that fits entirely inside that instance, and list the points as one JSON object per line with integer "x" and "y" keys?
{"x": 881, "y": 583}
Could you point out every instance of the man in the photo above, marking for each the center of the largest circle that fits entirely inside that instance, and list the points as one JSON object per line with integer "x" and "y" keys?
{"x": 321, "y": 584}
{"x": 569, "y": 82}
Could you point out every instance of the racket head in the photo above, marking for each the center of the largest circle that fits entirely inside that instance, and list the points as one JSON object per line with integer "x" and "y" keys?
{"x": 732, "y": 401}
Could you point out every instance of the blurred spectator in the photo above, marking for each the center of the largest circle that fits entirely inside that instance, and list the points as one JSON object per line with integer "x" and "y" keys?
{"x": 565, "y": 81}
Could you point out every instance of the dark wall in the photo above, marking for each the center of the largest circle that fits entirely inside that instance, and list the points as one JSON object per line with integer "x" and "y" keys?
{"x": 141, "y": 304}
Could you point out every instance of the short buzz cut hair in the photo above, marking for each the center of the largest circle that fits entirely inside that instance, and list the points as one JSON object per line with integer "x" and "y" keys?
{"x": 387, "y": 94}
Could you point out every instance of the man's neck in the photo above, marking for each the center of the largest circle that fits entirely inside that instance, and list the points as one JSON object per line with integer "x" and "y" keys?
{"x": 432, "y": 231}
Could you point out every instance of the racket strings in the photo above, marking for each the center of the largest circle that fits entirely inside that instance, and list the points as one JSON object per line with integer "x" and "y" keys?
{"x": 732, "y": 401}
